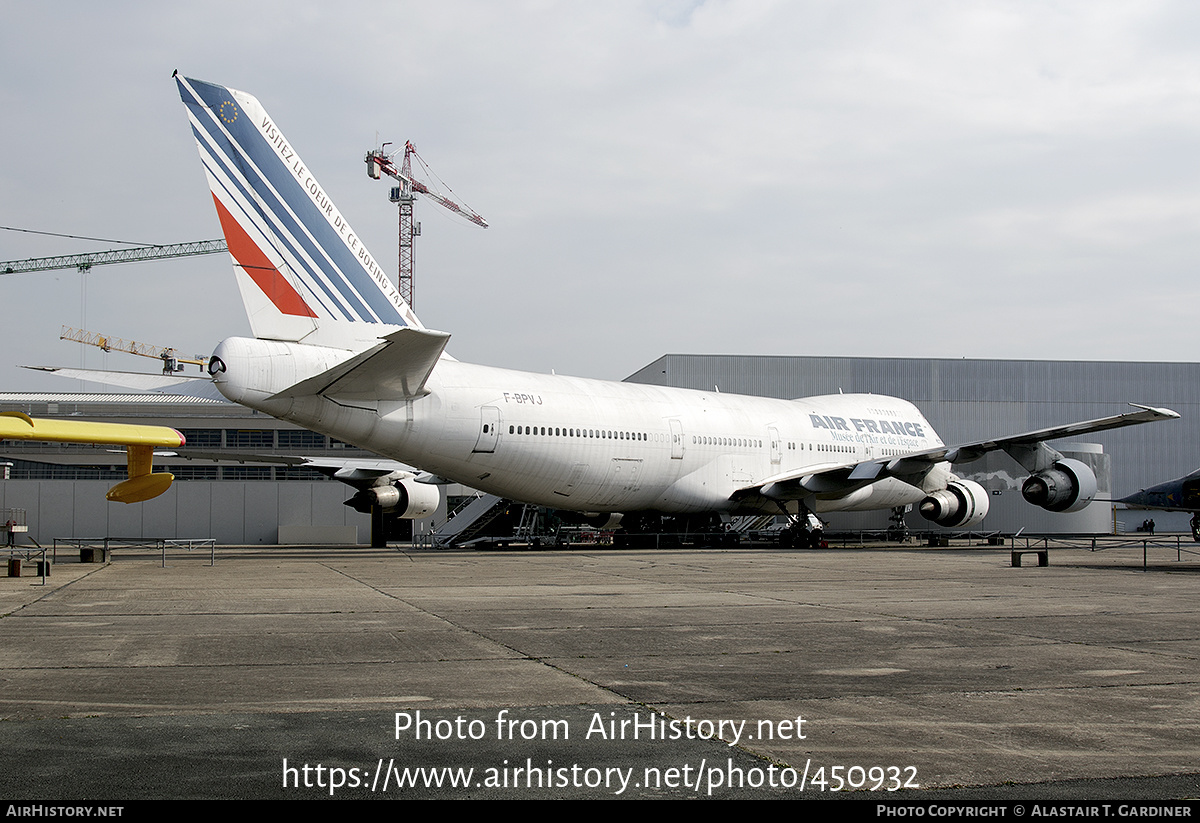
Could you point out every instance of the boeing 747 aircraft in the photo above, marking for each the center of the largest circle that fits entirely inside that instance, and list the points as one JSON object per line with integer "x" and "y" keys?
{"x": 336, "y": 350}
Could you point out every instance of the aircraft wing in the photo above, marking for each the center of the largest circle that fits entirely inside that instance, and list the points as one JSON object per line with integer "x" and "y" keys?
{"x": 18, "y": 426}
{"x": 1028, "y": 449}
{"x": 973, "y": 451}
{"x": 139, "y": 441}
{"x": 386, "y": 484}
{"x": 357, "y": 472}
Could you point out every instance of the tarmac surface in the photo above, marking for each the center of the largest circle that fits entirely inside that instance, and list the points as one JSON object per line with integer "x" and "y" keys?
{"x": 313, "y": 672}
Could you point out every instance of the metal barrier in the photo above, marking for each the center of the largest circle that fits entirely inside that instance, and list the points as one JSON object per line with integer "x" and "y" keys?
{"x": 14, "y": 561}
{"x": 88, "y": 545}
{"x": 1099, "y": 543}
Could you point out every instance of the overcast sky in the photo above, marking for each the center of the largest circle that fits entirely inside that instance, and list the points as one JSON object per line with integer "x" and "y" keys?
{"x": 942, "y": 179}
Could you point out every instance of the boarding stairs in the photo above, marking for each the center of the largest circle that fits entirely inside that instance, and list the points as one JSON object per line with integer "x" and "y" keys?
{"x": 536, "y": 528}
{"x": 468, "y": 521}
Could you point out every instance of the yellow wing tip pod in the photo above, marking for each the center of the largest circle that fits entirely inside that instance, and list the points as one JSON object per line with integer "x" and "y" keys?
{"x": 139, "y": 489}
{"x": 143, "y": 483}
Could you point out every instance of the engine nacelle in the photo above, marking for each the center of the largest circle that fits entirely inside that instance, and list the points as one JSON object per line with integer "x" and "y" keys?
{"x": 961, "y": 503}
{"x": 406, "y": 498}
{"x": 1067, "y": 487}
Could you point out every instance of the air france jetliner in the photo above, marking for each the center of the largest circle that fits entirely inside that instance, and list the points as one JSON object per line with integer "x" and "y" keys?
{"x": 337, "y": 351}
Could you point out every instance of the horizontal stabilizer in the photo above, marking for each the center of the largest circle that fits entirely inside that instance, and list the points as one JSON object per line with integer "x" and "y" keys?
{"x": 395, "y": 370}
{"x": 184, "y": 385}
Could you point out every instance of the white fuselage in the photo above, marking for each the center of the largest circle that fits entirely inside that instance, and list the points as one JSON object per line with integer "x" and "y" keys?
{"x": 593, "y": 445}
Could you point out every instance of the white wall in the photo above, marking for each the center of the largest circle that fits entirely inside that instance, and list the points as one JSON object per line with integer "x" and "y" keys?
{"x": 231, "y": 512}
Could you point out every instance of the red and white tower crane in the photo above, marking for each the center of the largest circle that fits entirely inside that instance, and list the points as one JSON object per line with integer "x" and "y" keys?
{"x": 380, "y": 163}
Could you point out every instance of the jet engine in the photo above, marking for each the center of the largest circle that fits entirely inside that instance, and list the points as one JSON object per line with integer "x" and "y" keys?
{"x": 1067, "y": 487}
{"x": 405, "y": 498}
{"x": 961, "y": 503}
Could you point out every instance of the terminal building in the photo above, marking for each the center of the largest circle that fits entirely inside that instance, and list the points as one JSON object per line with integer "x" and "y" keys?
{"x": 251, "y": 491}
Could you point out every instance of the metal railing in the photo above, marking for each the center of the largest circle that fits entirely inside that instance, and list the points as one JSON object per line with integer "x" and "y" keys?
{"x": 159, "y": 544}
{"x": 1100, "y": 543}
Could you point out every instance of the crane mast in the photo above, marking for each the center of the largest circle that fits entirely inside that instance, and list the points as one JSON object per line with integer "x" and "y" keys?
{"x": 84, "y": 262}
{"x": 380, "y": 163}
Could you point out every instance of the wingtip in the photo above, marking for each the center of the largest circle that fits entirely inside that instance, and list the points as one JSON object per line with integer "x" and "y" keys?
{"x": 1169, "y": 414}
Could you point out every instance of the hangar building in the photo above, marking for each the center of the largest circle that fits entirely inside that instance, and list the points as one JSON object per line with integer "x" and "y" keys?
{"x": 968, "y": 400}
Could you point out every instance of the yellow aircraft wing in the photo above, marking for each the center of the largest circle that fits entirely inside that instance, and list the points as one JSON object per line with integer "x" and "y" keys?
{"x": 139, "y": 441}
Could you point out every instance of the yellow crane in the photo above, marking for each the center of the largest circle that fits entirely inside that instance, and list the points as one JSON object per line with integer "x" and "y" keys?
{"x": 170, "y": 358}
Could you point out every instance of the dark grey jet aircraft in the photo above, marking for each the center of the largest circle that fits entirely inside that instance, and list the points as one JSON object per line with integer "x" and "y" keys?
{"x": 1179, "y": 495}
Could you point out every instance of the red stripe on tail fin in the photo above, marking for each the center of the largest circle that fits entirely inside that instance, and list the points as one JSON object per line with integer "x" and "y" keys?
{"x": 252, "y": 260}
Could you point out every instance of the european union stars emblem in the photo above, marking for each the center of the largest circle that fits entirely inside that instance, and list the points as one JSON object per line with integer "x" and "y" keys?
{"x": 228, "y": 111}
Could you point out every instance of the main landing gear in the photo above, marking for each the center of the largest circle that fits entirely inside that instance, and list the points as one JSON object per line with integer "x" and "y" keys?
{"x": 897, "y": 530}
{"x": 805, "y": 531}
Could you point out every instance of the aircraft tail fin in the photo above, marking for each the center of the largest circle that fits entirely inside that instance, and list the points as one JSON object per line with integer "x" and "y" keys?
{"x": 303, "y": 272}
